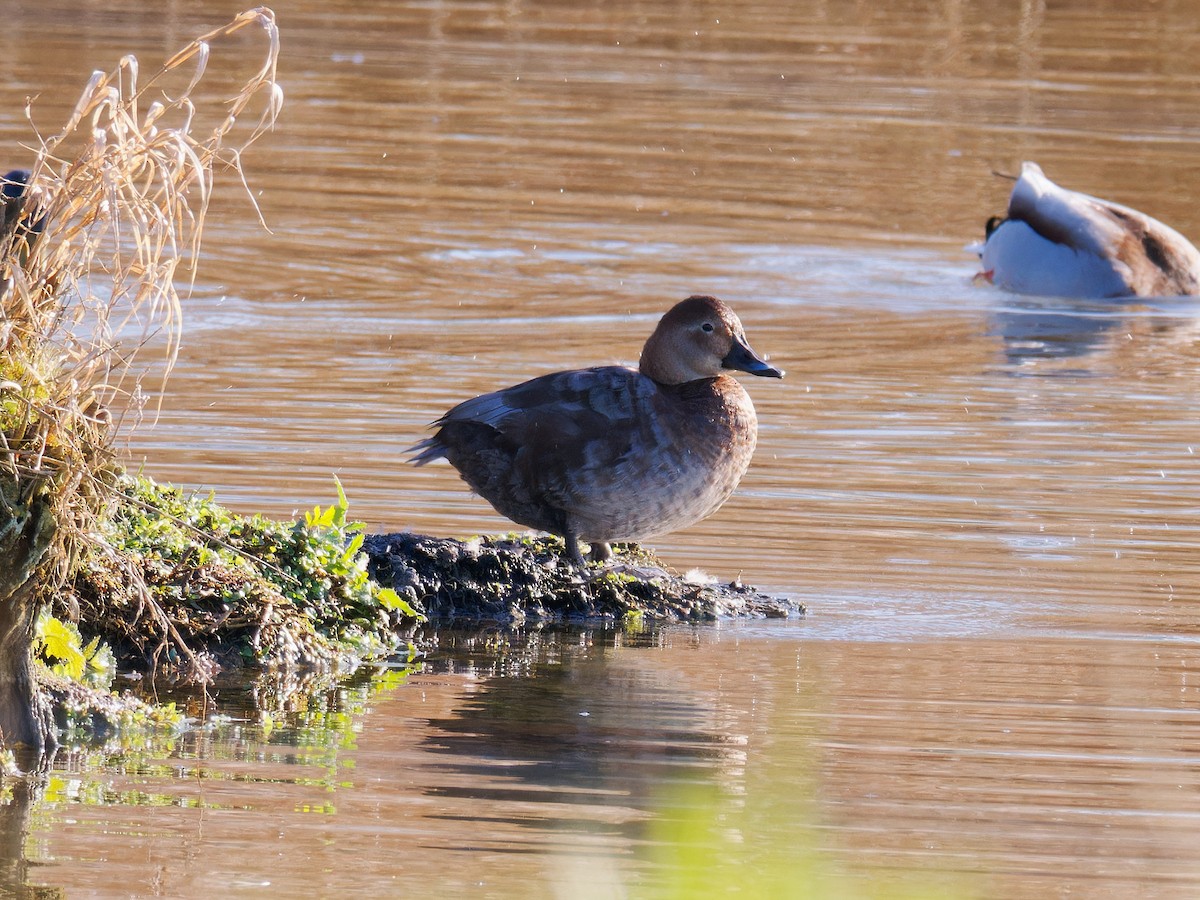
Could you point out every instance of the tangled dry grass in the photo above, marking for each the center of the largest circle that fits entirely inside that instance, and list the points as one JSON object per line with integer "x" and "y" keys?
{"x": 98, "y": 253}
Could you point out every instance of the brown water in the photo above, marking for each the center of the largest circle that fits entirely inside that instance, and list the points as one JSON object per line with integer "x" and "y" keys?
{"x": 989, "y": 504}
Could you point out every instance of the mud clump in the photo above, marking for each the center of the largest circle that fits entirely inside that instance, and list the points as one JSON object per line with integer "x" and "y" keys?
{"x": 517, "y": 579}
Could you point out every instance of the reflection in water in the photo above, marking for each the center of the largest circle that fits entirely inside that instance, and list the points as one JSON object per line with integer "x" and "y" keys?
{"x": 1054, "y": 327}
{"x": 546, "y": 760}
{"x": 581, "y": 732}
{"x": 17, "y": 798}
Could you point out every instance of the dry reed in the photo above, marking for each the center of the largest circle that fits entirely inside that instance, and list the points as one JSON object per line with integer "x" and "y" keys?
{"x": 97, "y": 255}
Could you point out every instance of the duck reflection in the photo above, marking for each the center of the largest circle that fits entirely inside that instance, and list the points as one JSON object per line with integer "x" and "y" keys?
{"x": 1054, "y": 327}
{"x": 584, "y": 745}
{"x": 1036, "y": 328}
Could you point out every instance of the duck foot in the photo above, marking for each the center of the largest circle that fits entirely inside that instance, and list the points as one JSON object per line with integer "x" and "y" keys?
{"x": 599, "y": 552}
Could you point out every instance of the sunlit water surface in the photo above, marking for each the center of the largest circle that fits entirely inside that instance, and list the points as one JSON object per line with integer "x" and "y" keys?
{"x": 988, "y": 504}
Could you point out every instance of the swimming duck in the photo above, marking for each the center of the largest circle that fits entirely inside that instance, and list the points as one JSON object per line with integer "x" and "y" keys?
{"x": 1057, "y": 242}
{"x": 613, "y": 453}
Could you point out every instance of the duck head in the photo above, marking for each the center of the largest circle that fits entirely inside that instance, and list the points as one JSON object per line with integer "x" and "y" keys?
{"x": 699, "y": 338}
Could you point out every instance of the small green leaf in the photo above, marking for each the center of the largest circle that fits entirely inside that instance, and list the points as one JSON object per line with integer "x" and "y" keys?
{"x": 61, "y": 641}
{"x": 389, "y": 599}
{"x": 342, "y": 504}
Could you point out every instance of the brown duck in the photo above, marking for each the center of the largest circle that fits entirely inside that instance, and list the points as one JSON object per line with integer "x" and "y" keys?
{"x": 613, "y": 453}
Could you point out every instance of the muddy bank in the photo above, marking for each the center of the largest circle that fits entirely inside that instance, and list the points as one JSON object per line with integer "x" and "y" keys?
{"x": 518, "y": 579}
{"x": 187, "y": 590}
{"x": 187, "y": 584}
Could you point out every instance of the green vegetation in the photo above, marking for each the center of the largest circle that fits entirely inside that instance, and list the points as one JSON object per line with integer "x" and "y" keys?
{"x": 60, "y": 646}
{"x": 97, "y": 247}
{"x": 112, "y": 212}
{"x": 184, "y": 581}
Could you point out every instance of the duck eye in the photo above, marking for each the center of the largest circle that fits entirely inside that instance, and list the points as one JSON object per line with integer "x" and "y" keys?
{"x": 707, "y": 327}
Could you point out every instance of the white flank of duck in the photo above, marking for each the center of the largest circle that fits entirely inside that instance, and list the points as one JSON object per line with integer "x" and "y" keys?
{"x": 1056, "y": 242}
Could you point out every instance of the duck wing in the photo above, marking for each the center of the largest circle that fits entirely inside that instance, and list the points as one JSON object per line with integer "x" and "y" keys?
{"x": 581, "y": 401}
{"x": 1149, "y": 256}
{"x": 549, "y": 439}
{"x": 1065, "y": 217}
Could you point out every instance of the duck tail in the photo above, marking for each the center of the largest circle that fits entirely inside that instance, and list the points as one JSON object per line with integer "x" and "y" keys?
{"x": 426, "y": 451}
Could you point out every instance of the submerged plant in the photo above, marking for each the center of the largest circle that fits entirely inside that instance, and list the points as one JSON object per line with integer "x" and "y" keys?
{"x": 91, "y": 250}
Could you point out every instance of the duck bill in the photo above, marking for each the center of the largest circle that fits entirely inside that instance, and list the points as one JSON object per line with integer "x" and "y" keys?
{"x": 743, "y": 359}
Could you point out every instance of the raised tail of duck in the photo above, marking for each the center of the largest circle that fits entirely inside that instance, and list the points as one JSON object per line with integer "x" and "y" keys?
{"x": 426, "y": 451}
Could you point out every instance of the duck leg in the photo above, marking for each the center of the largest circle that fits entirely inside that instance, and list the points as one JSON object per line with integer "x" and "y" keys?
{"x": 601, "y": 551}
{"x": 571, "y": 539}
